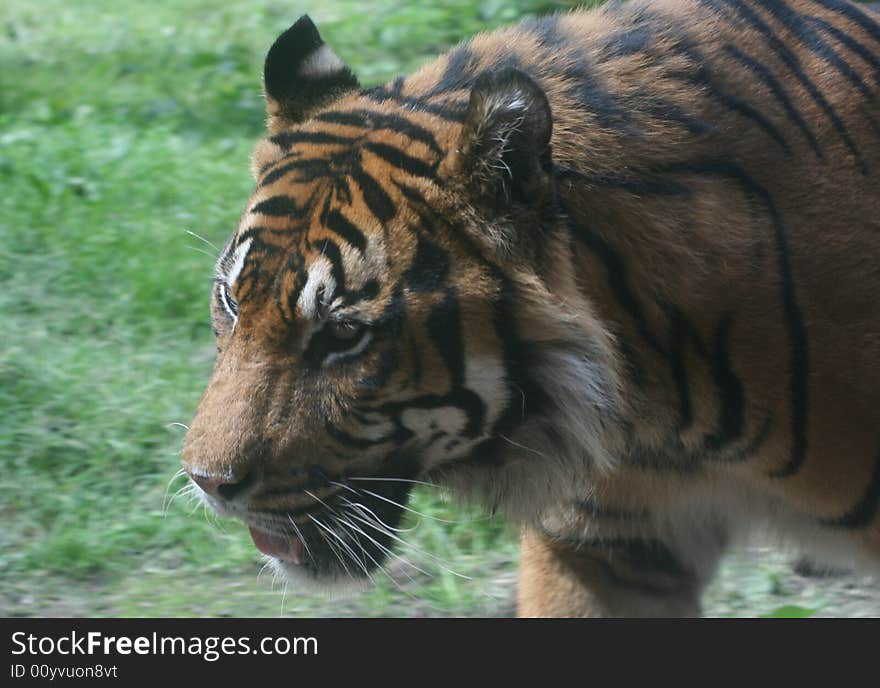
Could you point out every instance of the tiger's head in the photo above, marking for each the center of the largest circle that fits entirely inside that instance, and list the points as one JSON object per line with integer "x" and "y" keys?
{"x": 397, "y": 304}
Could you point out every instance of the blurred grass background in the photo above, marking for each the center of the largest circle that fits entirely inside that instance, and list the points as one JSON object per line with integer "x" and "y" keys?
{"x": 123, "y": 125}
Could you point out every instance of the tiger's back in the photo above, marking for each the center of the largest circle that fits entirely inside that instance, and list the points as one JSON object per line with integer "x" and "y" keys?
{"x": 692, "y": 268}
{"x": 742, "y": 277}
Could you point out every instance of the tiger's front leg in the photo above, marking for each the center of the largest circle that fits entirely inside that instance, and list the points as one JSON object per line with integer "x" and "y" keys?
{"x": 608, "y": 577}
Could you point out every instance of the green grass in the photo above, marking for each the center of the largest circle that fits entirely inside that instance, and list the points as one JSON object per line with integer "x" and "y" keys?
{"x": 122, "y": 126}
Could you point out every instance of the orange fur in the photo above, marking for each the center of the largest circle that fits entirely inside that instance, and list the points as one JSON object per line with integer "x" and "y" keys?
{"x": 643, "y": 335}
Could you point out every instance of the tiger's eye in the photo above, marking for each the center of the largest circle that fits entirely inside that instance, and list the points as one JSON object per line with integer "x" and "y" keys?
{"x": 340, "y": 329}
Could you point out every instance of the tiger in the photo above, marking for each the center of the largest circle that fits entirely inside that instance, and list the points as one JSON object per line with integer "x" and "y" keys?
{"x": 612, "y": 273}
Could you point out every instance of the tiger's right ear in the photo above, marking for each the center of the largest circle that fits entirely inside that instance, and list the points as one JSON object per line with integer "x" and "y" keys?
{"x": 503, "y": 150}
{"x": 301, "y": 74}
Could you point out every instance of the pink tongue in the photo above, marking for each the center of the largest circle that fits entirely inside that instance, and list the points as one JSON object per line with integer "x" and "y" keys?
{"x": 287, "y": 548}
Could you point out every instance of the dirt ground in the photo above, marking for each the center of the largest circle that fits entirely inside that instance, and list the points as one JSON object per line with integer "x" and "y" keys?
{"x": 756, "y": 582}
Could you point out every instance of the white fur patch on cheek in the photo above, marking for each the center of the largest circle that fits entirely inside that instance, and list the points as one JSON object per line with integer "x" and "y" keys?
{"x": 486, "y": 378}
{"x": 439, "y": 431}
{"x": 374, "y": 426}
{"x": 321, "y": 63}
{"x": 335, "y": 586}
{"x": 320, "y": 274}
{"x": 237, "y": 261}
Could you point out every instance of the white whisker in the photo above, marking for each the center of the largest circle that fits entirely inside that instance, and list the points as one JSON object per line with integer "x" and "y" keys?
{"x": 266, "y": 565}
{"x": 283, "y": 597}
{"x": 441, "y": 562}
{"x": 166, "y": 503}
{"x": 201, "y": 238}
{"x": 411, "y": 510}
{"x": 388, "y": 552}
{"x": 524, "y": 447}
{"x": 348, "y": 549}
{"x": 330, "y": 543}
{"x": 399, "y": 480}
{"x": 212, "y": 256}
{"x": 385, "y": 549}
{"x": 300, "y": 536}
{"x": 376, "y": 516}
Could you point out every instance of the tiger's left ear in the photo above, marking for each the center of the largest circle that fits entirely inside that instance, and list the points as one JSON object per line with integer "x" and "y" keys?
{"x": 301, "y": 74}
{"x": 503, "y": 151}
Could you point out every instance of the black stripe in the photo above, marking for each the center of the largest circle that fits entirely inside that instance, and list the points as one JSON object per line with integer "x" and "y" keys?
{"x": 793, "y": 318}
{"x": 644, "y": 554}
{"x": 631, "y": 562}
{"x": 618, "y": 281}
{"x": 425, "y": 224}
{"x": 398, "y": 436}
{"x": 376, "y": 198}
{"x": 368, "y": 292}
{"x": 461, "y": 398}
{"x": 336, "y": 222}
{"x": 674, "y": 113}
{"x": 410, "y": 193}
{"x": 403, "y": 161}
{"x": 391, "y": 324}
{"x": 444, "y": 329}
{"x": 730, "y": 391}
{"x": 863, "y": 513}
{"x": 747, "y": 452}
{"x": 278, "y": 172}
{"x": 459, "y": 72}
{"x": 341, "y": 189}
{"x": 397, "y": 85}
{"x": 546, "y": 30}
{"x": 855, "y": 14}
{"x": 813, "y": 42}
{"x": 525, "y": 398}
{"x": 286, "y": 139}
{"x": 873, "y": 123}
{"x": 429, "y": 268}
{"x": 853, "y": 45}
{"x": 679, "y": 376}
{"x": 624, "y": 43}
{"x": 748, "y": 111}
{"x": 285, "y": 302}
{"x": 794, "y": 65}
{"x": 674, "y": 457}
{"x": 252, "y": 269}
{"x": 277, "y": 206}
{"x": 449, "y": 110}
{"x": 583, "y": 85}
{"x": 586, "y": 90}
{"x": 702, "y": 79}
{"x": 699, "y": 75}
{"x": 683, "y": 335}
{"x": 312, "y": 169}
{"x": 322, "y": 343}
{"x": 594, "y": 509}
{"x": 353, "y": 118}
{"x": 331, "y": 252}
{"x": 415, "y": 378}
{"x": 635, "y": 185}
{"x": 778, "y": 92}
{"x": 228, "y": 303}
{"x": 256, "y": 232}
{"x": 369, "y": 119}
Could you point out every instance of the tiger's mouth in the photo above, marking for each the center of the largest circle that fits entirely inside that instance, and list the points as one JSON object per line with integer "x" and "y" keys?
{"x": 346, "y": 536}
{"x": 282, "y": 547}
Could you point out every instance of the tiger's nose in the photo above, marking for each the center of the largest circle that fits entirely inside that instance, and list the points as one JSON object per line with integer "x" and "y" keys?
{"x": 227, "y": 487}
